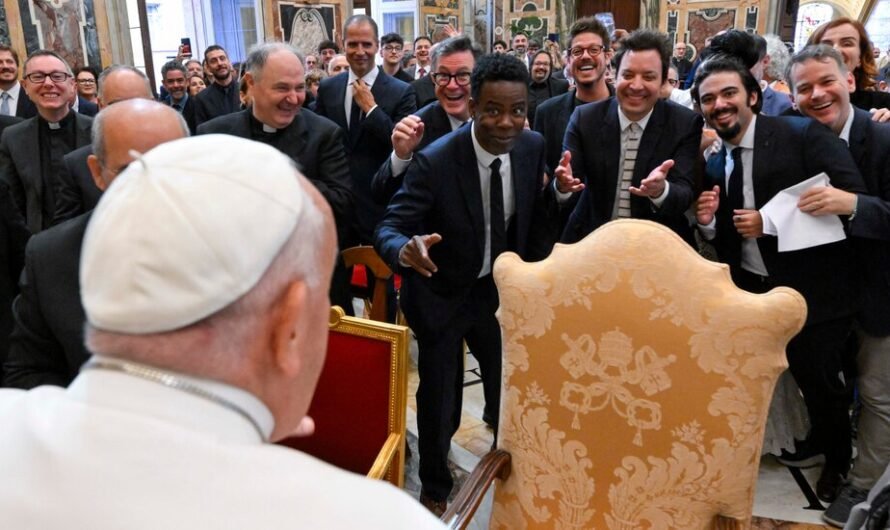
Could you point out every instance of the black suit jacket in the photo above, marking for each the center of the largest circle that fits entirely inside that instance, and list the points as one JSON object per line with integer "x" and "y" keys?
{"x": 20, "y": 167}
{"x": 315, "y": 144}
{"x": 215, "y": 101}
{"x": 594, "y": 138}
{"x": 188, "y": 112}
{"x": 25, "y": 108}
{"x": 435, "y": 125}
{"x": 424, "y": 91}
{"x": 77, "y": 192}
{"x": 441, "y": 193}
{"x": 13, "y": 237}
{"x": 87, "y": 108}
{"x": 870, "y": 147}
{"x": 402, "y": 75}
{"x": 789, "y": 150}
{"x": 6, "y": 121}
{"x": 540, "y": 93}
{"x": 46, "y": 346}
{"x": 373, "y": 144}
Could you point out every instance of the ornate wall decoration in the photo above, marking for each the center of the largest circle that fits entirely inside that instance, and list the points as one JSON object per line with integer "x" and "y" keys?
{"x": 67, "y": 27}
{"x": 704, "y": 23}
{"x": 304, "y": 26}
{"x": 536, "y": 18}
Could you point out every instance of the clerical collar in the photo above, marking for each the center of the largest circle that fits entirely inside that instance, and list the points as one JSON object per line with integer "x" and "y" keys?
{"x": 53, "y": 125}
{"x": 259, "y": 127}
{"x": 234, "y": 399}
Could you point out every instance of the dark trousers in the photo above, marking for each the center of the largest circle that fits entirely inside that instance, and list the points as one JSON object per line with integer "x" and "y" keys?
{"x": 440, "y": 393}
{"x": 816, "y": 358}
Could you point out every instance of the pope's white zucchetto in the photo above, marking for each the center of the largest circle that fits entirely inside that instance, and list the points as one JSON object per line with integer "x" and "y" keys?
{"x": 185, "y": 230}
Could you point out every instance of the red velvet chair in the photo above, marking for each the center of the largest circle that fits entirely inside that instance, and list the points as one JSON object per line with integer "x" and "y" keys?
{"x": 359, "y": 404}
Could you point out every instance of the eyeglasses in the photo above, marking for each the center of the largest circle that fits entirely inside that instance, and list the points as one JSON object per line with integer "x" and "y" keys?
{"x": 593, "y": 50}
{"x": 442, "y": 79}
{"x": 392, "y": 48}
{"x": 55, "y": 77}
{"x": 85, "y": 81}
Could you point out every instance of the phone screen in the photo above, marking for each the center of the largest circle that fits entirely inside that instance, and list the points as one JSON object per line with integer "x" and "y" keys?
{"x": 186, "y": 46}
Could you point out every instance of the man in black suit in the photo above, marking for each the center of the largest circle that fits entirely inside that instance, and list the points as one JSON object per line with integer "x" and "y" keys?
{"x": 392, "y": 50}
{"x": 222, "y": 96}
{"x": 175, "y": 79}
{"x": 47, "y": 346}
{"x": 588, "y": 56}
{"x": 365, "y": 103}
{"x": 423, "y": 47}
{"x": 769, "y": 154}
{"x": 275, "y": 78}
{"x": 635, "y": 153}
{"x": 453, "y": 62}
{"x": 13, "y": 237}
{"x": 82, "y": 106}
{"x": 680, "y": 62}
{"x": 821, "y": 85}
{"x": 17, "y": 101}
{"x": 77, "y": 191}
{"x": 493, "y": 170}
{"x": 31, "y": 152}
{"x": 424, "y": 91}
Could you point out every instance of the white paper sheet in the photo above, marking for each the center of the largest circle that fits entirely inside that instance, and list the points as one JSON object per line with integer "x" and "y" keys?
{"x": 795, "y": 229}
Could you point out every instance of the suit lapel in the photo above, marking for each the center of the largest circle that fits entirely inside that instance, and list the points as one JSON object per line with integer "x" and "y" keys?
{"x": 339, "y": 100}
{"x": 83, "y": 126}
{"x": 524, "y": 188}
{"x": 468, "y": 180}
{"x": 857, "y": 136}
{"x": 611, "y": 147}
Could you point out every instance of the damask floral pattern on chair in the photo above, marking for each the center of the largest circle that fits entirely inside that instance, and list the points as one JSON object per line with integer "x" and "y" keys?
{"x": 637, "y": 381}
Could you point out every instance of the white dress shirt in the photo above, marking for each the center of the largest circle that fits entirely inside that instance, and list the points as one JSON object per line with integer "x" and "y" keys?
{"x": 369, "y": 79}
{"x": 14, "y": 98}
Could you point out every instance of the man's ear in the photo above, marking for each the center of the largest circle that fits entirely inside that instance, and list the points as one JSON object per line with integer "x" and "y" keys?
{"x": 288, "y": 327}
{"x": 96, "y": 171}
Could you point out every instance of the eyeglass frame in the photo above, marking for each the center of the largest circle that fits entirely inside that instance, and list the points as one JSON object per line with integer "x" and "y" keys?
{"x": 55, "y": 77}
{"x": 588, "y": 49}
{"x": 90, "y": 81}
{"x": 442, "y": 75}
{"x": 393, "y": 48}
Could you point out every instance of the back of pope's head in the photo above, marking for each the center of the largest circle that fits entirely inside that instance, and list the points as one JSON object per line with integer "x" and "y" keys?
{"x": 211, "y": 256}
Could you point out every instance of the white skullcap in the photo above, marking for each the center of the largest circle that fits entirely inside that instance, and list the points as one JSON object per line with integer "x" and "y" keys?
{"x": 186, "y": 230}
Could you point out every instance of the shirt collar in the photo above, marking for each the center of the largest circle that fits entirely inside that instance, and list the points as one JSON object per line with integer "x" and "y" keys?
{"x": 747, "y": 140}
{"x": 455, "y": 122}
{"x": 624, "y": 121}
{"x": 482, "y": 156}
{"x": 845, "y": 132}
{"x": 368, "y": 78}
{"x": 181, "y": 102}
{"x": 14, "y": 91}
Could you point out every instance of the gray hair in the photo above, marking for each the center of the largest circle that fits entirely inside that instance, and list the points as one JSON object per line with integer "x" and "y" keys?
{"x": 48, "y": 53}
{"x": 818, "y": 52}
{"x": 170, "y": 66}
{"x": 97, "y": 132}
{"x": 118, "y": 68}
{"x": 453, "y": 45}
{"x": 214, "y": 346}
{"x": 778, "y": 57}
{"x": 259, "y": 54}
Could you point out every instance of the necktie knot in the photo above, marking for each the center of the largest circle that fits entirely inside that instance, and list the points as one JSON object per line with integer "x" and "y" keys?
{"x": 495, "y": 165}
{"x": 422, "y": 71}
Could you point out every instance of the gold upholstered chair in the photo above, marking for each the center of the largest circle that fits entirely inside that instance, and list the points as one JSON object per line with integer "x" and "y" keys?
{"x": 360, "y": 401}
{"x": 637, "y": 380}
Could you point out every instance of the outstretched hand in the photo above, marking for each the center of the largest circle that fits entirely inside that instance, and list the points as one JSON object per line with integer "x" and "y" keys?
{"x": 415, "y": 254}
{"x": 565, "y": 181}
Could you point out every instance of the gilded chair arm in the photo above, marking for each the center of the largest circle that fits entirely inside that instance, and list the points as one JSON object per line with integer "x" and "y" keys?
{"x": 495, "y": 464}
{"x": 384, "y": 457}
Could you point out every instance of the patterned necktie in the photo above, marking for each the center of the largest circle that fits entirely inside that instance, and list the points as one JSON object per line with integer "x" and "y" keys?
{"x": 4, "y": 106}
{"x": 496, "y": 211}
{"x": 631, "y": 145}
{"x": 421, "y": 72}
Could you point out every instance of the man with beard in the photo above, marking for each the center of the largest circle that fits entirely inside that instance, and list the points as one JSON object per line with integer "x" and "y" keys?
{"x": 453, "y": 62}
{"x": 221, "y": 97}
{"x": 275, "y": 78}
{"x": 13, "y": 100}
{"x": 588, "y": 56}
{"x": 761, "y": 156}
{"x": 635, "y": 153}
{"x": 520, "y": 47}
{"x": 821, "y": 85}
{"x": 493, "y": 170}
{"x": 31, "y": 152}
{"x": 542, "y": 85}
{"x": 174, "y": 78}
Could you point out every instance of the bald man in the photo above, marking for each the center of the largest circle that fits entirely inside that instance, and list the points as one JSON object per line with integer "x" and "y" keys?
{"x": 77, "y": 193}
{"x": 46, "y": 346}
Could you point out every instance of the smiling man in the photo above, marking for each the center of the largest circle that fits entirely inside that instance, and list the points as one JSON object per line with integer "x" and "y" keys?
{"x": 275, "y": 78}
{"x": 821, "y": 85}
{"x": 221, "y": 97}
{"x": 761, "y": 156}
{"x": 31, "y": 151}
{"x": 366, "y": 103}
{"x": 175, "y": 79}
{"x": 493, "y": 170}
{"x": 453, "y": 62}
{"x": 17, "y": 101}
{"x": 635, "y": 153}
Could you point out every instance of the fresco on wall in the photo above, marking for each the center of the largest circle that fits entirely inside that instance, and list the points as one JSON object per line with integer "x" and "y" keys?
{"x": 706, "y": 22}
{"x": 4, "y": 26}
{"x": 532, "y": 17}
{"x": 67, "y": 27}
{"x": 304, "y": 26}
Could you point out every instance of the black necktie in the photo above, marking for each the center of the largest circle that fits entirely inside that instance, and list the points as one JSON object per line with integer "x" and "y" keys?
{"x": 498, "y": 225}
{"x": 355, "y": 121}
{"x": 734, "y": 188}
